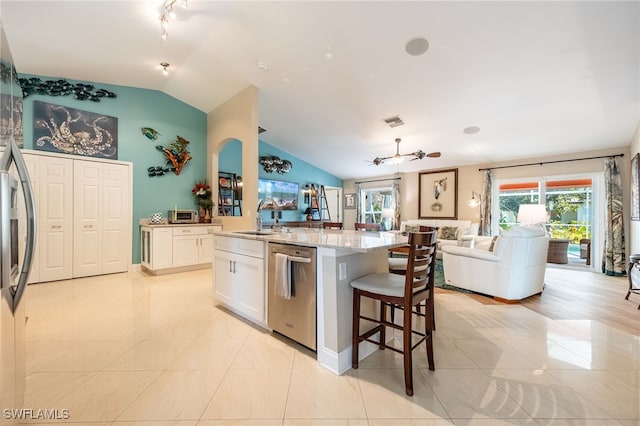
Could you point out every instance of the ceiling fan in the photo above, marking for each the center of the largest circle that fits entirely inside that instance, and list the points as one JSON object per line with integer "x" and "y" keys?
{"x": 398, "y": 158}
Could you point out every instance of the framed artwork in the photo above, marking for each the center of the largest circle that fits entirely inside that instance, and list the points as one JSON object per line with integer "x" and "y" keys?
{"x": 438, "y": 194}
{"x": 635, "y": 190}
{"x": 57, "y": 128}
{"x": 350, "y": 201}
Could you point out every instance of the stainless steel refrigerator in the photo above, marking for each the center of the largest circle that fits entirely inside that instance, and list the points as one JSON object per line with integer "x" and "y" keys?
{"x": 15, "y": 264}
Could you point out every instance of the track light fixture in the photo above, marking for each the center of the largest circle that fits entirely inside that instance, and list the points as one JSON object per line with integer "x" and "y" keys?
{"x": 167, "y": 15}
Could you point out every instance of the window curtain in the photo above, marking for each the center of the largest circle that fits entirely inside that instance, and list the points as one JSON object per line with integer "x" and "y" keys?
{"x": 613, "y": 255}
{"x": 396, "y": 200}
{"x": 485, "y": 206}
{"x": 358, "y": 203}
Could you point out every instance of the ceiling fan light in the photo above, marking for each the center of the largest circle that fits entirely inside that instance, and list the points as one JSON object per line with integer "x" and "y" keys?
{"x": 396, "y": 159}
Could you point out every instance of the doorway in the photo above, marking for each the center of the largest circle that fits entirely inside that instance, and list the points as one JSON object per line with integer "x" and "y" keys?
{"x": 334, "y": 204}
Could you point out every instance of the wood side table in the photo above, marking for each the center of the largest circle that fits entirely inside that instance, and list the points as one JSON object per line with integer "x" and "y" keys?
{"x": 634, "y": 263}
{"x": 558, "y": 251}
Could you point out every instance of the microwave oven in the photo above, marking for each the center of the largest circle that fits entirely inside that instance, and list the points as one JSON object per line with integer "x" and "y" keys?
{"x": 182, "y": 216}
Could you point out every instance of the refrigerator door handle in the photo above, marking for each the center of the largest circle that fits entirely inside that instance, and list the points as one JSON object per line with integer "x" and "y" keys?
{"x": 30, "y": 208}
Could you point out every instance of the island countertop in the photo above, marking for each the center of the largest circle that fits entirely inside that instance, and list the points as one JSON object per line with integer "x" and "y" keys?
{"x": 357, "y": 241}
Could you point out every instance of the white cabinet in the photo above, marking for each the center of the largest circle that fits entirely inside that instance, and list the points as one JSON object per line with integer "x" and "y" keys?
{"x": 83, "y": 210}
{"x": 239, "y": 276}
{"x": 191, "y": 246}
{"x": 156, "y": 248}
{"x": 168, "y": 248}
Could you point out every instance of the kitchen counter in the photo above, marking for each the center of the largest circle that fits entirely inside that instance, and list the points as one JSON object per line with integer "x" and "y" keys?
{"x": 341, "y": 256}
{"x": 145, "y": 222}
{"x": 356, "y": 241}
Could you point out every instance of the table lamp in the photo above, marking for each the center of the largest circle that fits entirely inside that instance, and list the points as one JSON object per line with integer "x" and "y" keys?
{"x": 309, "y": 214}
{"x": 532, "y": 214}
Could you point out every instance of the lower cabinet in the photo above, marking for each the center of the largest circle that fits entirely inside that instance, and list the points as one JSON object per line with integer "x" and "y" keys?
{"x": 239, "y": 276}
{"x": 163, "y": 247}
{"x": 192, "y": 246}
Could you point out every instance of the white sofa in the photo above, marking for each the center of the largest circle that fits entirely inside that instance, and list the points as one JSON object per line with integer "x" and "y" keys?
{"x": 465, "y": 228}
{"x": 512, "y": 271}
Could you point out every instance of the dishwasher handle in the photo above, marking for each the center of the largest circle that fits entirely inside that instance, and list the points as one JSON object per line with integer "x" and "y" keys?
{"x": 299, "y": 259}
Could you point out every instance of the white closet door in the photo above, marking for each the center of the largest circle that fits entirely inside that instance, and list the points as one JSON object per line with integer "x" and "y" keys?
{"x": 88, "y": 208}
{"x": 116, "y": 218}
{"x": 55, "y": 210}
{"x": 33, "y": 166}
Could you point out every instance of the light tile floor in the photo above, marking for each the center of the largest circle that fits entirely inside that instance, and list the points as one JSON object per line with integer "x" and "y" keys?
{"x": 131, "y": 349}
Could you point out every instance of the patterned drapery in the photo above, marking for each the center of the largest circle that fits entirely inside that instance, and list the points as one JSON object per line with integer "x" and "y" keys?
{"x": 613, "y": 254}
{"x": 485, "y": 207}
{"x": 396, "y": 198}
{"x": 358, "y": 203}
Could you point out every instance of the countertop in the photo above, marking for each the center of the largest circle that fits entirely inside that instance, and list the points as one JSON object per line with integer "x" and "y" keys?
{"x": 358, "y": 241}
{"x": 145, "y": 222}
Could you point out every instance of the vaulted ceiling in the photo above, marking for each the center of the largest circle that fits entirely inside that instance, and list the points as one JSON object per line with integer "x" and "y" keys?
{"x": 536, "y": 78}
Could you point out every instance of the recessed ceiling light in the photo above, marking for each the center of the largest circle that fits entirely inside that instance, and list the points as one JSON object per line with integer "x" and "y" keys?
{"x": 416, "y": 46}
{"x": 471, "y": 130}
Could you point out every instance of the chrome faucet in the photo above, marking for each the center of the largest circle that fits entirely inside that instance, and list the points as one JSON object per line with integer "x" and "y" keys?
{"x": 276, "y": 225}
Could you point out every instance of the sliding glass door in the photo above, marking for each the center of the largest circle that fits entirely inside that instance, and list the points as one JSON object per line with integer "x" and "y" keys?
{"x": 569, "y": 201}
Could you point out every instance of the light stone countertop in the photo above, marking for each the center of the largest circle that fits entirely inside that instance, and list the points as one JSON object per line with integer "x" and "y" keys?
{"x": 357, "y": 241}
{"x": 145, "y": 222}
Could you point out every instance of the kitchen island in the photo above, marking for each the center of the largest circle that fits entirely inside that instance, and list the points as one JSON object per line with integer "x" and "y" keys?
{"x": 341, "y": 256}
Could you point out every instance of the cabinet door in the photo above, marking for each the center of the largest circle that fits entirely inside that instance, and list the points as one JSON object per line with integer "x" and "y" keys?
{"x": 87, "y": 209}
{"x": 205, "y": 249}
{"x": 185, "y": 250}
{"x": 161, "y": 248}
{"x": 55, "y": 210}
{"x": 223, "y": 277}
{"x": 249, "y": 280}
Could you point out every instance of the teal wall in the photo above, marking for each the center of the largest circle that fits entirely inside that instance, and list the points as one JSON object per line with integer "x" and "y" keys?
{"x": 136, "y": 108}
{"x": 230, "y": 158}
{"x": 301, "y": 172}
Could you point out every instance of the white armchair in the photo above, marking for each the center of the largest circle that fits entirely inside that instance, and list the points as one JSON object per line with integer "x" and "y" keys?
{"x": 513, "y": 270}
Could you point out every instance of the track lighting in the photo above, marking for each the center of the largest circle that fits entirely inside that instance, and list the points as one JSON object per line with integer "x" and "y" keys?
{"x": 167, "y": 15}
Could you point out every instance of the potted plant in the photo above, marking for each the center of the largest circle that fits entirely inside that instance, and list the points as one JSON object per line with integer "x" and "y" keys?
{"x": 202, "y": 193}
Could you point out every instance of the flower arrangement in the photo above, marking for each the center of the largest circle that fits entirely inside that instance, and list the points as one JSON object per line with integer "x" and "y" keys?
{"x": 202, "y": 193}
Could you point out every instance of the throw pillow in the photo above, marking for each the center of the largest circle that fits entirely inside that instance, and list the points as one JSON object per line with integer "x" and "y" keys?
{"x": 412, "y": 228}
{"x": 448, "y": 233}
{"x": 493, "y": 243}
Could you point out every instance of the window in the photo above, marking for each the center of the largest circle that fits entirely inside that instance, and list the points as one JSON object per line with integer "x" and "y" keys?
{"x": 377, "y": 206}
{"x": 569, "y": 202}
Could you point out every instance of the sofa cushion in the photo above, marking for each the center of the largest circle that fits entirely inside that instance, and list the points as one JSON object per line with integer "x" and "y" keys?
{"x": 448, "y": 233}
{"x": 493, "y": 243}
{"x": 412, "y": 228}
{"x": 524, "y": 231}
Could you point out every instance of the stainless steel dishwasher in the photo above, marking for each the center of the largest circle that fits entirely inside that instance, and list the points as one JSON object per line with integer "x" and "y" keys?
{"x": 294, "y": 317}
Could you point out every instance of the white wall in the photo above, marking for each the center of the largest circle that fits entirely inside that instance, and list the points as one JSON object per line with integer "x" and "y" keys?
{"x": 237, "y": 118}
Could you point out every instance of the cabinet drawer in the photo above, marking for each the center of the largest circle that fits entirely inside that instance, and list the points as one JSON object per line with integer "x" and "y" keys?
{"x": 190, "y": 230}
{"x": 254, "y": 248}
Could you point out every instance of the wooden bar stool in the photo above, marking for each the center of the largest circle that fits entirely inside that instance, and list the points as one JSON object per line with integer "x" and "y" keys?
{"x": 372, "y": 227}
{"x": 331, "y": 225}
{"x": 634, "y": 262}
{"x": 407, "y": 291}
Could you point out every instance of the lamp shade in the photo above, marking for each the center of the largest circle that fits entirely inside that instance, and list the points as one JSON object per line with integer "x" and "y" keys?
{"x": 532, "y": 213}
{"x": 308, "y": 211}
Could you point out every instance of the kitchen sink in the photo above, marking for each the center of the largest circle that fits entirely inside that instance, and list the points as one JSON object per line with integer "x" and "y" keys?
{"x": 254, "y": 232}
